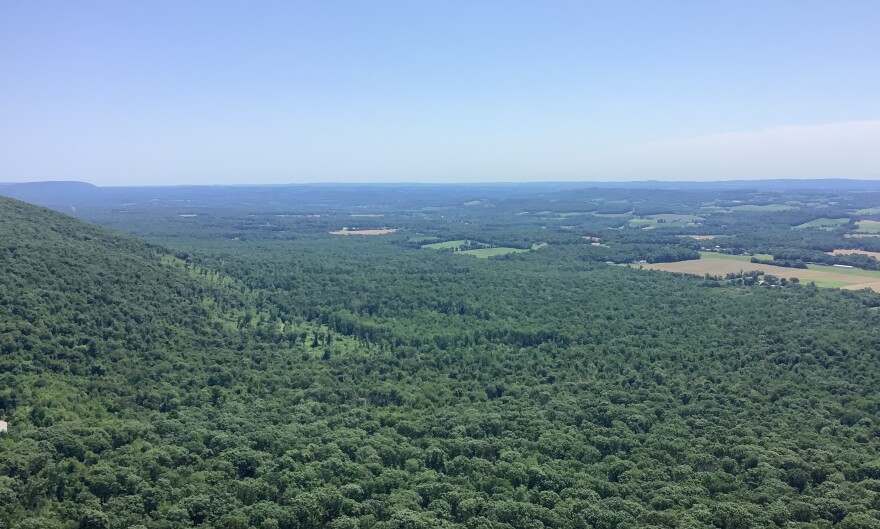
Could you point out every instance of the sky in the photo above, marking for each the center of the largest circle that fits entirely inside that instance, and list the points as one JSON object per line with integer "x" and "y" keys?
{"x": 219, "y": 92}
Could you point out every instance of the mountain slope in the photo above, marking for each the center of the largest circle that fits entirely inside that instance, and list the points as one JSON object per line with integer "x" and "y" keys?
{"x": 101, "y": 333}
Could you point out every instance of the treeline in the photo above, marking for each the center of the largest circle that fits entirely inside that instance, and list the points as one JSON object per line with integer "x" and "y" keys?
{"x": 865, "y": 262}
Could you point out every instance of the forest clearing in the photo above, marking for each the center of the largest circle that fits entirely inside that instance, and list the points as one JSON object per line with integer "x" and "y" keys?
{"x": 484, "y": 253}
{"x": 383, "y": 231}
{"x": 869, "y": 226}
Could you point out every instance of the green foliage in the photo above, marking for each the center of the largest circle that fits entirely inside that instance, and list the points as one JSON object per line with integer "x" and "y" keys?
{"x": 329, "y": 382}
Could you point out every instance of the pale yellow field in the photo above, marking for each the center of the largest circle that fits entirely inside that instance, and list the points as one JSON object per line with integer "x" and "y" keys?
{"x": 848, "y": 278}
{"x": 875, "y": 286}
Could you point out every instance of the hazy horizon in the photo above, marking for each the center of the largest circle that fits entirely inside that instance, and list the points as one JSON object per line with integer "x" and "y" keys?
{"x": 489, "y": 92}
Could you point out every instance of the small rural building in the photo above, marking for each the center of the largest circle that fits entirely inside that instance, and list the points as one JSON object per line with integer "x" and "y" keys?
{"x": 4, "y": 427}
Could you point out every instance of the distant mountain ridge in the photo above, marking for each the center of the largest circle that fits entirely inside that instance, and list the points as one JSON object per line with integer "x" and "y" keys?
{"x": 65, "y": 194}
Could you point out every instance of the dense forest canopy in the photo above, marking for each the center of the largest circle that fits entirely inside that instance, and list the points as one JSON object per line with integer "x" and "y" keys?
{"x": 235, "y": 365}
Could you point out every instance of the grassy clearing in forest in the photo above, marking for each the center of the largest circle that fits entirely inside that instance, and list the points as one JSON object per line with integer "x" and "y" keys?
{"x": 823, "y": 223}
{"x": 567, "y": 214}
{"x": 363, "y": 232}
{"x": 612, "y": 215}
{"x": 484, "y": 253}
{"x": 445, "y": 245}
{"x": 764, "y": 207}
{"x": 869, "y": 226}
{"x": 641, "y": 223}
{"x": 670, "y": 217}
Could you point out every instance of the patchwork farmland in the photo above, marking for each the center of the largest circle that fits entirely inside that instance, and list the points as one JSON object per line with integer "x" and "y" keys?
{"x": 823, "y": 276}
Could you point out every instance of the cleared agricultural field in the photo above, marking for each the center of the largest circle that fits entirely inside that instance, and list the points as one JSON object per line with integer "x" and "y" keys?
{"x": 822, "y": 223}
{"x": 664, "y": 220}
{"x": 567, "y": 214}
{"x": 764, "y": 207}
{"x": 823, "y": 276}
{"x": 738, "y": 258}
{"x": 484, "y": 253}
{"x": 363, "y": 232}
{"x": 611, "y": 215}
{"x": 445, "y": 245}
{"x": 670, "y": 217}
{"x": 869, "y": 226}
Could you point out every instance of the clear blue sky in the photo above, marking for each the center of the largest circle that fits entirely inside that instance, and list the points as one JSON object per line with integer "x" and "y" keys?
{"x": 160, "y": 92}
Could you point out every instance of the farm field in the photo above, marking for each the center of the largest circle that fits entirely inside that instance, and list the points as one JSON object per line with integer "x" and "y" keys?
{"x": 822, "y": 276}
{"x": 421, "y": 238}
{"x": 869, "y": 226}
{"x": 671, "y": 217}
{"x": 611, "y": 215}
{"x": 484, "y": 253}
{"x": 363, "y": 232}
{"x": 445, "y": 245}
{"x": 738, "y": 258}
{"x": 665, "y": 220}
{"x": 822, "y": 223}
{"x": 567, "y": 214}
{"x": 765, "y": 207}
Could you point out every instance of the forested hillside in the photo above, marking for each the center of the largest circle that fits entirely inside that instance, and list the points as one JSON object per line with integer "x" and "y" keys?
{"x": 342, "y": 383}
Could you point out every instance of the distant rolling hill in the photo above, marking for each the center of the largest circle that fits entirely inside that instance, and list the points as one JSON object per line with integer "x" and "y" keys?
{"x": 64, "y": 195}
